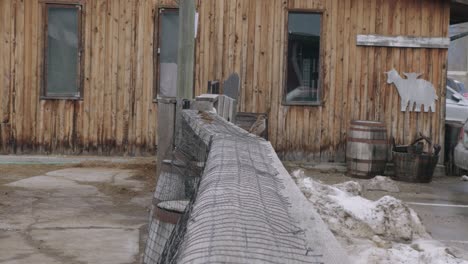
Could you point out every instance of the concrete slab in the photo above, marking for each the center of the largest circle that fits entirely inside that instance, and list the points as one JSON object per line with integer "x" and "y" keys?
{"x": 91, "y": 245}
{"x": 16, "y": 213}
{"x": 140, "y": 200}
{"x": 63, "y": 159}
{"x": 98, "y": 175}
{"x": 85, "y": 174}
{"x": 74, "y": 215}
{"x": 17, "y": 250}
{"x": 68, "y": 212}
{"x": 122, "y": 178}
{"x": 53, "y": 183}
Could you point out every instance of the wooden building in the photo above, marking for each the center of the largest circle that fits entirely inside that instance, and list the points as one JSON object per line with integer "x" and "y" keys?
{"x": 112, "y": 109}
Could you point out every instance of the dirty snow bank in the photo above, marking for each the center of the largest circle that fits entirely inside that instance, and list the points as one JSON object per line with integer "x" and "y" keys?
{"x": 382, "y": 231}
{"x": 382, "y": 183}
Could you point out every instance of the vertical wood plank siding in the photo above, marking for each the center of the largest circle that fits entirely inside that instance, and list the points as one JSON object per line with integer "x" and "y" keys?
{"x": 117, "y": 114}
{"x": 252, "y": 35}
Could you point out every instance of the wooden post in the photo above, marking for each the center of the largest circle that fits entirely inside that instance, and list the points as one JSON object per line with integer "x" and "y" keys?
{"x": 166, "y": 119}
{"x": 186, "y": 44}
{"x": 185, "y": 60}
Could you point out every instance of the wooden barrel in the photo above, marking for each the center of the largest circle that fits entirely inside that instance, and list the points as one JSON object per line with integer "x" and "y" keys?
{"x": 366, "y": 149}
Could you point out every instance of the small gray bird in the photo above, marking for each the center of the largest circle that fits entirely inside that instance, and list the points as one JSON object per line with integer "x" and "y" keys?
{"x": 259, "y": 126}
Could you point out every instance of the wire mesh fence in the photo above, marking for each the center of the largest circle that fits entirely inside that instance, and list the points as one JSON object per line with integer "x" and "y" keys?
{"x": 175, "y": 190}
{"x": 219, "y": 200}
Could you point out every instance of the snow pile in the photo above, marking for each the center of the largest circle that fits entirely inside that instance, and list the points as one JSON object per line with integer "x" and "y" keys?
{"x": 382, "y": 231}
{"x": 382, "y": 183}
{"x": 419, "y": 251}
{"x": 348, "y": 213}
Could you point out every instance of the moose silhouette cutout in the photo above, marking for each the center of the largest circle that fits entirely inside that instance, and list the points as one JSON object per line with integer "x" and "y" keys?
{"x": 413, "y": 91}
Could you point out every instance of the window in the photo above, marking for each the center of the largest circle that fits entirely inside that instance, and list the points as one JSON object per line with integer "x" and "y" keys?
{"x": 168, "y": 43}
{"x": 62, "y": 58}
{"x": 303, "y": 61}
{"x": 449, "y": 94}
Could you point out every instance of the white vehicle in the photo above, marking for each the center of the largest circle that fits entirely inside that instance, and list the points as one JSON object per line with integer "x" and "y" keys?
{"x": 457, "y": 86}
{"x": 456, "y": 107}
{"x": 455, "y": 116}
{"x": 461, "y": 150}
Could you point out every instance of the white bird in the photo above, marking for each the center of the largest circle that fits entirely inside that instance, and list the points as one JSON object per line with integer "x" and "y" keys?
{"x": 259, "y": 126}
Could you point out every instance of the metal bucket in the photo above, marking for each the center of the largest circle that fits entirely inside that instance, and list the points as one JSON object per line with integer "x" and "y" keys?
{"x": 366, "y": 149}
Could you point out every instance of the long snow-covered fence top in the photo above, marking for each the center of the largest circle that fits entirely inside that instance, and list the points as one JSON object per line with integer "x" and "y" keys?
{"x": 247, "y": 209}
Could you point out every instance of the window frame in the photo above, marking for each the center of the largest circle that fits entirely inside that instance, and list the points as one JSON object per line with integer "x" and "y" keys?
{"x": 321, "y": 63}
{"x": 156, "y": 49}
{"x": 77, "y": 4}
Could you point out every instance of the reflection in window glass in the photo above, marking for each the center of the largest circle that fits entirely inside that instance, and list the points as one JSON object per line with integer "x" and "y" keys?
{"x": 303, "y": 66}
{"x": 449, "y": 94}
{"x": 62, "y": 63}
{"x": 168, "y": 50}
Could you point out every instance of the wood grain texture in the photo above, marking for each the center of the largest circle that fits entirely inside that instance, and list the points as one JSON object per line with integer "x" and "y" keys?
{"x": 117, "y": 114}
{"x": 353, "y": 80}
{"x": 403, "y": 41}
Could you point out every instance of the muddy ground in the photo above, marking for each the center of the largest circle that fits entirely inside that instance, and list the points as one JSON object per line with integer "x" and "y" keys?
{"x": 88, "y": 212}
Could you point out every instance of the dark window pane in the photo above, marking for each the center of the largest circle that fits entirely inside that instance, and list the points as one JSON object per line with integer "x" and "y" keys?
{"x": 169, "y": 40}
{"x": 303, "y": 58}
{"x": 62, "y": 52}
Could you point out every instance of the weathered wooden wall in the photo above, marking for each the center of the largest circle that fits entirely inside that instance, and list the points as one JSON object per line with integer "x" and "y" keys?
{"x": 249, "y": 37}
{"x": 117, "y": 114}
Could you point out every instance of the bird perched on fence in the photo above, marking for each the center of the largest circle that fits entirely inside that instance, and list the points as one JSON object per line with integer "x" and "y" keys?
{"x": 259, "y": 126}
{"x": 205, "y": 116}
